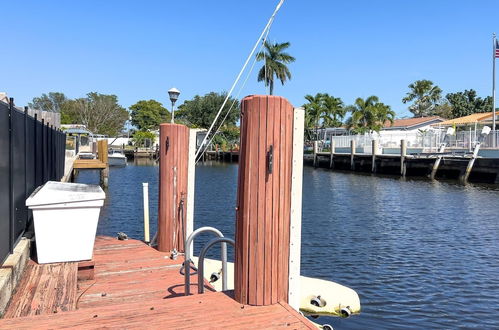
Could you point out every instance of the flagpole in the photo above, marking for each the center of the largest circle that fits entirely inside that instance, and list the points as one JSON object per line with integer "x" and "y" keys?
{"x": 494, "y": 89}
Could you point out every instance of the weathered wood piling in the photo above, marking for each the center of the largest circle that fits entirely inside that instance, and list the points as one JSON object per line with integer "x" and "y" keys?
{"x": 264, "y": 200}
{"x": 176, "y": 183}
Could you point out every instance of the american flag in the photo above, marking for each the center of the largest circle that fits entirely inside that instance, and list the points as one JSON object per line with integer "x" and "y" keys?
{"x": 496, "y": 49}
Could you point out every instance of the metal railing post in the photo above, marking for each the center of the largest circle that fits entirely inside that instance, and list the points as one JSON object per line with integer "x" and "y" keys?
{"x": 11, "y": 178}
{"x": 187, "y": 261}
{"x": 202, "y": 255}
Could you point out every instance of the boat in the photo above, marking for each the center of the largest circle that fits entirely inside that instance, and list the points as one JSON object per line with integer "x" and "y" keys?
{"x": 116, "y": 158}
{"x": 86, "y": 155}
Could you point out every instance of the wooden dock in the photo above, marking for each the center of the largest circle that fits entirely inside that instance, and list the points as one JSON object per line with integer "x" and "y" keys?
{"x": 101, "y": 163}
{"x": 134, "y": 286}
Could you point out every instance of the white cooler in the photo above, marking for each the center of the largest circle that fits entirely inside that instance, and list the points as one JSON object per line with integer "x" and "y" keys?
{"x": 65, "y": 217}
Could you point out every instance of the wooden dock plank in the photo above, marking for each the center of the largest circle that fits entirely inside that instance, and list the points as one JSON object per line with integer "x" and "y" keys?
{"x": 180, "y": 313}
{"x": 133, "y": 284}
{"x": 48, "y": 288}
{"x": 88, "y": 164}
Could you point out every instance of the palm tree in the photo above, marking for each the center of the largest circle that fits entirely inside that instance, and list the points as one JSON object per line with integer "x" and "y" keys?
{"x": 426, "y": 97}
{"x": 275, "y": 64}
{"x": 323, "y": 110}
{"x": 369, "y": 115}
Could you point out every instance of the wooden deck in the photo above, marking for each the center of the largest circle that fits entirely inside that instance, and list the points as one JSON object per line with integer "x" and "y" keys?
{"x": 135, "y": 286}
{"x": 88, "y": 164}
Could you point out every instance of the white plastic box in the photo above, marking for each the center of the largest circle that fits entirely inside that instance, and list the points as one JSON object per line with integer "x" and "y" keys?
{"x": 65, "y": 217}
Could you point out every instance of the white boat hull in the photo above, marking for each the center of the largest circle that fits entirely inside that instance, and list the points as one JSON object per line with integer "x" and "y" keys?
{"x": 115, "y": 160}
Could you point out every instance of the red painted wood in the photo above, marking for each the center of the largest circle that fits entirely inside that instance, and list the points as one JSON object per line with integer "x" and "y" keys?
{"x": 134, "y": 286}
{"x": 173, "y": 169}
{"x": 264, "y": 201}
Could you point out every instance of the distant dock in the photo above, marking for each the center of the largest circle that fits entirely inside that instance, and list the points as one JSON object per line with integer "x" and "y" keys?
{"x": 452, "y": 164}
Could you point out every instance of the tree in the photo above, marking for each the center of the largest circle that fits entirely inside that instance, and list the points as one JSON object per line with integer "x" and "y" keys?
{"x": 426, "y": 97}
{"x": 466, "y": 103}
{"x": 443, "y": 110}
{"x": 100, "y": 113}
{"x": 52, "y": 102}
{"x": 323, "y": 110}
{"x": 275, "y": 64}
{"x": 369, "y": 115}
{"x": 201, "y": 110}
{"x": 140, "y": 137}
{"x": 147, "y": 115}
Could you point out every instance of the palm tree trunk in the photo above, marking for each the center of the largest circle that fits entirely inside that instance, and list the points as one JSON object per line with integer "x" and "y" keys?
{"x": 271, "y": 87}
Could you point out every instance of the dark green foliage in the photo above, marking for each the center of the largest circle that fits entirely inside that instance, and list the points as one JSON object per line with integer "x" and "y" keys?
{"x": 443, "y": 110}
{"x": 201, "y": 110}
{"x": 467, "y": 102}
{"x": 147, "y": 115}
{"x": 369, "y": 115}
{"x": 54, "y": 102}
{"x": 275, "y": 64}
{"x": 227, "y": 137}
{"x": 426, "y": 97}
{"x": 140, "y": 138}
{"x": 323, "y": 110}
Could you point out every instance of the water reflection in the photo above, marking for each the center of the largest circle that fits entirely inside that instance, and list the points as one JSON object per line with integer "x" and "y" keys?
{"x": 422, "y": 254}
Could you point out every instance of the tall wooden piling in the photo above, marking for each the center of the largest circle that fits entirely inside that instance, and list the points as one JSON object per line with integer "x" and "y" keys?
{"x": 102, "y": 151}
{"x": 403, "y": 154}
{"x": 315, "y": 150}
{"x": 373, "y": 157}
{"x": 352, "y": 155}
{"x": 264, "y": 204}
{"x": 176, "y": 153}
{"x": 331, "y": 156}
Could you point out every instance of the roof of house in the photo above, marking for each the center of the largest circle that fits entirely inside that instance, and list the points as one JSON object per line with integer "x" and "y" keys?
{"x": 411, "y": 122}
{"x": 470, "y": 119}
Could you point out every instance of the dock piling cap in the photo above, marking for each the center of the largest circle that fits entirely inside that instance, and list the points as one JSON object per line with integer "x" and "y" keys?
{"x": 54, "y": 192}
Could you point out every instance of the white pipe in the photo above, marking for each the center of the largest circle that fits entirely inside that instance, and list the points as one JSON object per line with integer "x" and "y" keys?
{"x": 145, "y": 188}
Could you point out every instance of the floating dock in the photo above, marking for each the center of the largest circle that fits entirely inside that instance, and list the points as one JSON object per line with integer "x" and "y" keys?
{"x": 133, "y": 286}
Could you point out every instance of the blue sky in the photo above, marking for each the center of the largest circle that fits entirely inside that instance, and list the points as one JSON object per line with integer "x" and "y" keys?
{"x": 139, "y": 49}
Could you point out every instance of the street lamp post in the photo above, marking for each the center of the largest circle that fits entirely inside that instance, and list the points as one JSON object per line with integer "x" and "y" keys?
{"x": 173, "y": 93}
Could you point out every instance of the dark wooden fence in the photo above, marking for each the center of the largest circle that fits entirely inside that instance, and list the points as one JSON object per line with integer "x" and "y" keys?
{"x": 31, "y": 153}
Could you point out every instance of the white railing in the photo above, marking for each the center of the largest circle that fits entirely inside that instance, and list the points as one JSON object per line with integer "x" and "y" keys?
{"x": 428, "y": 141}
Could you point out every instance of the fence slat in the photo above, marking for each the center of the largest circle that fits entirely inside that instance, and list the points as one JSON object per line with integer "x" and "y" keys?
{"x": 34, "y": 154}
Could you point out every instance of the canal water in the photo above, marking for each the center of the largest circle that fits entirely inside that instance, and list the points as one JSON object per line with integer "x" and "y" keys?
{"x": 421, "y": 254}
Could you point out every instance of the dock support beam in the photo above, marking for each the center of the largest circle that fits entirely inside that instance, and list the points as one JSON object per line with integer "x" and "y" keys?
{"x": 176, "y": 156}
{"x": 102, "y": 151}
{"x": 466, "y": 175}
{"x": 316, "y": 148}
{"x": 437, "y": 163}
{"x": 267, "y": 176}
{"x": 331, "y": 159}
{"x": 374, "y": 152}
{"x": 352, "y": 155}
{"x": 403, "y": 154}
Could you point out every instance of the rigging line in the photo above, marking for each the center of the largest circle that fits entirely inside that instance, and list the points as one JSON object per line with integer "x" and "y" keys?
{"x": 241, "y": 72}
{"x": 237, "y": 96}
{"x": 233, "y": 102}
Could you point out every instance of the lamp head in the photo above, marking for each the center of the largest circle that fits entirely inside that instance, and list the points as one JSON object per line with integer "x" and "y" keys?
{"x": 173, "y": 93}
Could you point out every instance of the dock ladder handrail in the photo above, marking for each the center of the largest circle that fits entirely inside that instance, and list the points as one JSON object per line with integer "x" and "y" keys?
{"x": 188, "y": 262}
{"x": 202, "y": 255}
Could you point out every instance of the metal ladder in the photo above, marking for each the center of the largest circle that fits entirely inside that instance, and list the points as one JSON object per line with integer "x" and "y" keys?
{"x": 188, "y": 264}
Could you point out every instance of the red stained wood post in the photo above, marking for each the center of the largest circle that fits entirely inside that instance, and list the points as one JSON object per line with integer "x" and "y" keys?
{"x": 173, "y": 186}
{"x": 262, "y": 254}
